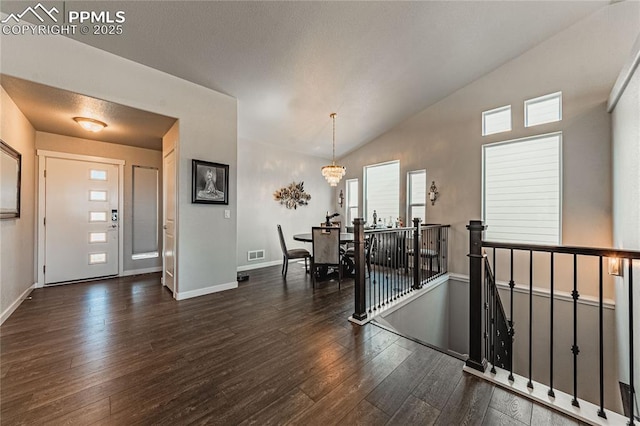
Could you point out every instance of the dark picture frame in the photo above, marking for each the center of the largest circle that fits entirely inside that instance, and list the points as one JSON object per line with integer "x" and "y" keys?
{"x": 209, "y": 182}
{"x": 11, "y": 174}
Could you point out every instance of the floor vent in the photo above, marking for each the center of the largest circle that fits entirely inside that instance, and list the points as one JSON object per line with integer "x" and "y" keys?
{"x": 255, "y": 255}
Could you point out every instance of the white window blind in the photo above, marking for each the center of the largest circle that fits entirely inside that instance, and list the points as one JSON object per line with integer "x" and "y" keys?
{"x": 522, "y": 190}
{"x": 145, "y": 212}
{"x": 545, "y": 109}
{"x": 382, "y": 191}
{"x": 352, "y": 200}
{"x": 416, "y": 195}
{"x": 496, "y": 120}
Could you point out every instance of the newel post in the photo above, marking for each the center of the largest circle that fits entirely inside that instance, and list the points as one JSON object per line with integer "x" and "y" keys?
{"x": 360, "y": 312}
{"x": 417, "y": 253}
{"x": 475, "y": 360}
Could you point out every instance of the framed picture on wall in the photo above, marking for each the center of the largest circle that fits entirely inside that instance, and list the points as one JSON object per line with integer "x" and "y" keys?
{"x": 209, "y": 182}
{"x": 10, "y": 169}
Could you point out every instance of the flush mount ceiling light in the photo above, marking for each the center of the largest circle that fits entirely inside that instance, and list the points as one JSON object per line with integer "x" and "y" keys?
{"x": 90, "y": 124}
{"x": 333, "y": 173}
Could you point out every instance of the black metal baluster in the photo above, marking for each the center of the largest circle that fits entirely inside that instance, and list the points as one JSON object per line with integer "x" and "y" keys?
{"x": 631, "y": 358}
{"x": 601, "y": 412}
{"x": 574, "y": 349}
{"x": 551, "y": 393}
{"x": 485, "y": 306}
{"x": 494, "y": 310}
{"x": 530, "y": 383}
{"x": 385, "y": 268}
{"x": 512, "y": 284}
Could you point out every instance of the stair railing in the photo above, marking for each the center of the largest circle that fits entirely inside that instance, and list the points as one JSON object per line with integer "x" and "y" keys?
{"x": 392, "y": 263}
{"x": 496, "y": 324}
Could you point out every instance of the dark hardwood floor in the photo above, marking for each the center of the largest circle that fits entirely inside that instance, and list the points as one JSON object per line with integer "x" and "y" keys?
{"x": 124, "y": 352}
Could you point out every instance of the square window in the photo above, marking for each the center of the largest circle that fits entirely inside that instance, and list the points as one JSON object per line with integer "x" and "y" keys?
{"x": 496, "y": 120}
{"x": 545, "y": 109}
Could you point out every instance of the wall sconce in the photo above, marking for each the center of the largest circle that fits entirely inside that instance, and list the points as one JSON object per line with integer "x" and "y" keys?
{"x": 433, "y": 193}
{"x": 615, "y": 266}
{"x": 341, "y": 198}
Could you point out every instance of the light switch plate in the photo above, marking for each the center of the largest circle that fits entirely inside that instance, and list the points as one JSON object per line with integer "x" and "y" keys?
{"x": 227, "y": 214}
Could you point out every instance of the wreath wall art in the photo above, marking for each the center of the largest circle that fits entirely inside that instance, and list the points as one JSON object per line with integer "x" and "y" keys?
{"x": 292, "y": 196}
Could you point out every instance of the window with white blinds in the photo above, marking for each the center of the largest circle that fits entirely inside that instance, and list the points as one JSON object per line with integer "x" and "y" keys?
{"x": 496, "y": 120}
{"x": 382, "y": 191}
{"x": 352, "y": 200}
{"x": 545, "y": 109}
{"x": 416, "y": 195}
{"x": 522, "y": 190}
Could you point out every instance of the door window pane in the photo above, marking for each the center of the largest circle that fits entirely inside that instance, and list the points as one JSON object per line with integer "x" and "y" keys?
{"x": 97, "y": 195}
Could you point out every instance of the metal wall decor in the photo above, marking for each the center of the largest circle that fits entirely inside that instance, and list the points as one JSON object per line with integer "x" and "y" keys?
{"x": 292, "y": 196}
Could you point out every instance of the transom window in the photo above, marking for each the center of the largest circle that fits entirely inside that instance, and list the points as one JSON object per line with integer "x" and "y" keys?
{"x": 545, "y": 109}
{"x": 497, "y": 120}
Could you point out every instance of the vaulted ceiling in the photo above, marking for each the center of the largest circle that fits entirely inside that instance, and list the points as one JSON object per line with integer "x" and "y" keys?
{"x": 290, "y": 64}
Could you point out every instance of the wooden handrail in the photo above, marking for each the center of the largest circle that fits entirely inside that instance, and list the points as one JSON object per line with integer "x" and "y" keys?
{"x": 578, "y": 250}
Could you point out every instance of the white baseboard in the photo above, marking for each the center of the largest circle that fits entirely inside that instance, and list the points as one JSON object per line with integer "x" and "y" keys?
{"x": 543, "y": 292}
{"x": 266, "y": 264}
{"x": 258, "y": 265}
{"x": 206, "y": 290}
{"x": 141, "y": 271}
{"x": 399, "y": 303}
{"x": 7, "y": 312}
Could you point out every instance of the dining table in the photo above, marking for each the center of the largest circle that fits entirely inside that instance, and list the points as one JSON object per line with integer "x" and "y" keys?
{"x": 345, "y": 237}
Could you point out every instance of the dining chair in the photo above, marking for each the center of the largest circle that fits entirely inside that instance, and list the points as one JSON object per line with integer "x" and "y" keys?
{"x": 298, "y": 253}
{"x": 326, "y": 251}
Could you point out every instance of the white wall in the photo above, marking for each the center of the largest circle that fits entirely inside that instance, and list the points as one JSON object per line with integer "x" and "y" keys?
{"x": 425, "y": 318}
{"x": 445, "y": 139}
{"x": 262, "y": 169}
{"x": 132, "y": 156}
{"x": 208, "y": 131}
{"x": 17, "y": 236}
{"x": 626, "y": 207}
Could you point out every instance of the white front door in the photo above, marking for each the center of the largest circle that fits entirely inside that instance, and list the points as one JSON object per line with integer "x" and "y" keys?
{"x": 81, "y": 220}
{"x": 169, "y": 214}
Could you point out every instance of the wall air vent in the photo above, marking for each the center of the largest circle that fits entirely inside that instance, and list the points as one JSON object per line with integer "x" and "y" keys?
{"x": 253, "y": 255}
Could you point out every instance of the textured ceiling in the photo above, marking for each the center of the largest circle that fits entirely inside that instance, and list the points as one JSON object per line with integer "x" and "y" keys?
{"x": 52, "y": 110}
{"x": 290, "y": 64}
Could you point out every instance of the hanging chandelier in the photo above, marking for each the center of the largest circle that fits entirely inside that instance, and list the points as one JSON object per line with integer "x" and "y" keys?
{"x": 333, "y": 173}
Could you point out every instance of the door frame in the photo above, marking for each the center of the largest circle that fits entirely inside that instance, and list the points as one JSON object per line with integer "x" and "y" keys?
{"x": 173, "y": 151}
{"x": 42, "y": 161}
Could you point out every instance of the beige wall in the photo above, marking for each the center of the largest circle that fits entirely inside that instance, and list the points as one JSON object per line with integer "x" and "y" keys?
{"x": 626, "y": 208}
{"x": 132, "y": 157}
{"x": 17, "y": 236}
{"x": 261, "y": 170}
{"x": 445, "y": 139}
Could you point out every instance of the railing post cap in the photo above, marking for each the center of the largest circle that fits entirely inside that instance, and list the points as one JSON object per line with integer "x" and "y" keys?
{"x": 476, "y": 225}
{"x": 358, "y": 220}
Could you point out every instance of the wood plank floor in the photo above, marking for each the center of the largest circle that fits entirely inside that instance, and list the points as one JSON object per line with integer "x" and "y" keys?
{"x": 124, "y": 352}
